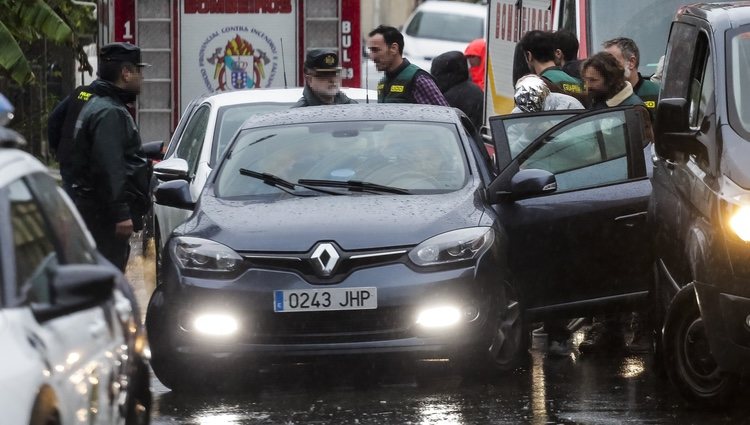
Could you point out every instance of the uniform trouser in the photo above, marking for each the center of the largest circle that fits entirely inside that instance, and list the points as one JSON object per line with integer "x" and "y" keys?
{"x": 102, "y": 228}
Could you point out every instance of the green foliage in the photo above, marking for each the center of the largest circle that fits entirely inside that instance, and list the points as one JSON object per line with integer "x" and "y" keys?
{"x": 24, "y": 21}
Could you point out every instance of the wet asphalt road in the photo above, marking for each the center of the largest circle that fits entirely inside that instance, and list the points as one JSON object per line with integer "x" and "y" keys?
{"x": 604, "y": 389}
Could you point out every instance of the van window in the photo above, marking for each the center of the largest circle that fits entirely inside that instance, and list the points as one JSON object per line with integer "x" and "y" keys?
{"x": 738, "y": 52}
{"x": 701, "y": 81}
{"x": 677, "y": 64}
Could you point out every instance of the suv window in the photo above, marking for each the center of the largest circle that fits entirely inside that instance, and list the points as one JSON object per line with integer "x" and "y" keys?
{"x": 191, "y": 144}
{"x": 74, "y": 246}
{"x": 738, "y": 59}
{"x": 678, "y": 65}
{"x": 34, "y": 248}
{"x": 590, "y": 152}
{"x": 701, "y": 81}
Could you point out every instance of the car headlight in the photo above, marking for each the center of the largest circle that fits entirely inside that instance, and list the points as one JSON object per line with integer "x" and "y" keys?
{"x": 739, "y": 222}
{"x": 205, "y": 255}
{"x": 453, "y": 246}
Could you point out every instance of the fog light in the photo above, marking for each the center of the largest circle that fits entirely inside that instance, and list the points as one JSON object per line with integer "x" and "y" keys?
{"x": 439, "y": 317}
{"x": 471, "y": 312}
{"x": 747, "y": 321}
{"x": 215, "y": 324}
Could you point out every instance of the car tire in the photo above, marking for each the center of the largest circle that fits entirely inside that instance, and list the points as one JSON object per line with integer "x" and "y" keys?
{"x": 508, "y": 347}
{"x": 687, "y": 358}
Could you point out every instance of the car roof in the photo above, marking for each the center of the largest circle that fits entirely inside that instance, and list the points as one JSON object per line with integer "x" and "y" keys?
{"x": 721, "y": 15}
{"x": 16, "y": 163}
{"x": 360, "y": 112}
{"x": 453, "y": 7}
{"x": 286, "y": 95}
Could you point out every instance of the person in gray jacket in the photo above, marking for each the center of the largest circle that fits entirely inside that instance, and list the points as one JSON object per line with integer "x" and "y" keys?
{"x": 322, "y": 80}
{"x": 109, "y": 170}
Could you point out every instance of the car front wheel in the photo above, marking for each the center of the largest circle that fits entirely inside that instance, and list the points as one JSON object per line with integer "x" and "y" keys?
{"x": 690, "y": 365}
{"x": 508, "y": 347}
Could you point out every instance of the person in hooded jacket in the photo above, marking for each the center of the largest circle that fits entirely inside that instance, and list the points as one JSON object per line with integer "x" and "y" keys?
{"x": 476, "y": 54}
{"x": 451, "y": 73}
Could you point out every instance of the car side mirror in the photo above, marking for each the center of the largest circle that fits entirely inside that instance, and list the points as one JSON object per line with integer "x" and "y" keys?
{"x": 75, "y": 287}
{"x": 532, "y": 182}
{"x": 673, "y": 133}
{"x": 153, "y": 150}
{"x": 174, "y": 194}
{"x": 172, "y": 169}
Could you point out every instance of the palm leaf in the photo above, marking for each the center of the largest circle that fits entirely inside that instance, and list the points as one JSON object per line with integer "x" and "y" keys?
{"x": 38, "y": 15}
{"x": 12, "y": 58}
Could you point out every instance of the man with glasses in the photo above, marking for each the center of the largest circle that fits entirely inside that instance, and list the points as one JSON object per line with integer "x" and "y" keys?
{"x": 322, "y": 80}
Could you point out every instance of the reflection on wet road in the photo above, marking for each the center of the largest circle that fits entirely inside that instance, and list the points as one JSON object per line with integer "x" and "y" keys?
{"x": 602, "y": 390}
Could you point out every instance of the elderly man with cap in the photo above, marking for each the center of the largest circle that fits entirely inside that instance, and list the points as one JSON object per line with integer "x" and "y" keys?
{"x": 109, "y": 172}
{"x": 322, "y": 80}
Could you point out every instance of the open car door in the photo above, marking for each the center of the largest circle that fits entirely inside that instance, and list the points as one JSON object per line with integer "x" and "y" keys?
{"x": 579, "y": 239}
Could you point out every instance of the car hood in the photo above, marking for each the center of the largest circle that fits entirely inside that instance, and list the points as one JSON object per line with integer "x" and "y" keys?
{"x": 354, "y": 222}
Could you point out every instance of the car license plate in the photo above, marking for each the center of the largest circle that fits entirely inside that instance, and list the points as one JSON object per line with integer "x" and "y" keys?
{"x": 325, "y": 299}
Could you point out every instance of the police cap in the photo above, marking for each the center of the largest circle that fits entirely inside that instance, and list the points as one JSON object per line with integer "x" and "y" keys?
{"x": 322, "y": 61}
{"x": 121, "y": 52}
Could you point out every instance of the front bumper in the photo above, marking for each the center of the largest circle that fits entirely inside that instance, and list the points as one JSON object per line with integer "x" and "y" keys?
{"x": 390, "y": 328}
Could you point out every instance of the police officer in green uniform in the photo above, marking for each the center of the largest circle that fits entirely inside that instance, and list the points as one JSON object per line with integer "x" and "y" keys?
{"x": 109, "y": 172}
{"x": 403, "y": 82}
{"x": 539, "y": 52}
{"x": 626, "y": 51}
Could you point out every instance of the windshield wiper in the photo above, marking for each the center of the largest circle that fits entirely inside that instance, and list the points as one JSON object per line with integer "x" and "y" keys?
{"x": 285, "y": 185}
{"x": 355, "y": 185}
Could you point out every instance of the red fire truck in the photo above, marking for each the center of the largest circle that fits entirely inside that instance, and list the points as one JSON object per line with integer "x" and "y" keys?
{"x": 203, "y": 46}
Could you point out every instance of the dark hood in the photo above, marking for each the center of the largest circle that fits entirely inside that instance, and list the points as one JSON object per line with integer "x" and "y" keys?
{"x": 295, "y": 224}
{"x": 104, "y": 88}
{"x": 449, "y": 69}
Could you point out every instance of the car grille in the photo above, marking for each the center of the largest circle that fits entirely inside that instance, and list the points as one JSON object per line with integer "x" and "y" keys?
{"x": 331, "y": 326}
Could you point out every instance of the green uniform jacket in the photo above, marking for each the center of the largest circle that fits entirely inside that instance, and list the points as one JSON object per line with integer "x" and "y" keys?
{"x": 107, "y": 162}
{"x": 400, "y": 88}
{"x": 648, "y": 91}
{"x": 310, "y": 99}
{"x": 570, "y": 85}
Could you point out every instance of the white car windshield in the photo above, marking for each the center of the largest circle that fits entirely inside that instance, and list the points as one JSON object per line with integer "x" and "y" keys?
{"x": 444, "y": 26}
{"x": 419, "y": 157}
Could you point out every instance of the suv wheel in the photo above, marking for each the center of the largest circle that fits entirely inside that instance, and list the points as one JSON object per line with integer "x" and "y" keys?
{"x": 687, "y": 355}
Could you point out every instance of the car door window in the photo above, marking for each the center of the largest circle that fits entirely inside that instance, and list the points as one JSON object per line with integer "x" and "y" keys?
{"x": 33, "y": 244}
{"x": 191, "y": 144}
{"x": 590, "y": 152}
{"x": 74, "y": 245}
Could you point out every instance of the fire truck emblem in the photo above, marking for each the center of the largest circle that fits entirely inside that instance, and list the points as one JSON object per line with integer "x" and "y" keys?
{"x": 238, "y": 65}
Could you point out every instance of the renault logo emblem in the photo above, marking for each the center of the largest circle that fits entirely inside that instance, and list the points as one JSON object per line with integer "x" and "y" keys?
{"x": 324, "y": 259}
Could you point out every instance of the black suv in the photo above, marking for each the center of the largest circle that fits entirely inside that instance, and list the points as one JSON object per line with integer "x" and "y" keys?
{"x": 700, "y": 203}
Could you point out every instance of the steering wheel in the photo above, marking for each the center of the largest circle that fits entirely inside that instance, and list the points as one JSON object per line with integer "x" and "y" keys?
{"x": 415, "y": 178}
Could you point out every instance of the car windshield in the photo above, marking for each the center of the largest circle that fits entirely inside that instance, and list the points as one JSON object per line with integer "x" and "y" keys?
{"x": 647, "y": 22}
{"x": 420, "y": 157}
{"x": 738, "y": 49}
{"x": 230, "y": 118}
{"x": 444, "y": 26}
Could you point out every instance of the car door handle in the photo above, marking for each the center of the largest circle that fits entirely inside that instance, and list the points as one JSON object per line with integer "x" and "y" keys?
{"x": 670, "y": 164}
{"x": 632, "y": 220}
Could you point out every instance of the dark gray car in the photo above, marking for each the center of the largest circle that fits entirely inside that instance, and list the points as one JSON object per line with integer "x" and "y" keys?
{"x": 382, "y": 229}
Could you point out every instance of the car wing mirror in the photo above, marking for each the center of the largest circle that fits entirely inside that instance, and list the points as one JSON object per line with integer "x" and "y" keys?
{"x": 175, "y": 194}
{"x": 75, "y": 287}
{"x": 172, "y": 169}
{"x": 673, "y": 132}
{"x": 532, "y": 182}
{"x": 153, "y": 150}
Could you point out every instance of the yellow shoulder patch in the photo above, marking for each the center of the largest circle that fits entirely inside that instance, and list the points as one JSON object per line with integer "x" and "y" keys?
{"x": 397, "y": 89}
{"x": 84, "y": 95}
{"x": 650, "y": 104}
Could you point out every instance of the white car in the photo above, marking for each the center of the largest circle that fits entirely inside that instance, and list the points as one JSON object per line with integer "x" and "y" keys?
{"x": 437, "y": 27}
{"x": 204, "y": 130}
{"x": 72, "y": 351}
